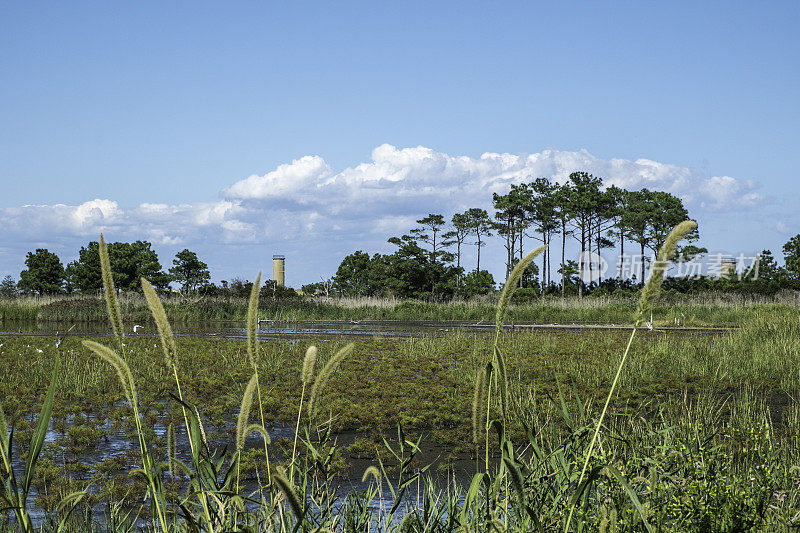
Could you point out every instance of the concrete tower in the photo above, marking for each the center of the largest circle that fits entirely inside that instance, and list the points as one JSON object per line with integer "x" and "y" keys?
{"x": 278, "y": 269}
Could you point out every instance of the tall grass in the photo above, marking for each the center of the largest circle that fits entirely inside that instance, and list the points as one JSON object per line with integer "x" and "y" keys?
{"x": 683, "y": 310}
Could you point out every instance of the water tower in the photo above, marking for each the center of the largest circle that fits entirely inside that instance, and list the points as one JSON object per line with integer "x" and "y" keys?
{"x": 278, "y": 269}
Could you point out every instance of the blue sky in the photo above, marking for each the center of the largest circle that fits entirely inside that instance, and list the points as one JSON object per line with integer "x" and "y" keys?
{"x": 177, "y": 105}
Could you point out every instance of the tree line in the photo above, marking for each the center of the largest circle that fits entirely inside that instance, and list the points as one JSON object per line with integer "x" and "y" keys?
{"x": 429, "y": 263}
{"x": 429, "y": 259}
{"x": 45, "y": 273}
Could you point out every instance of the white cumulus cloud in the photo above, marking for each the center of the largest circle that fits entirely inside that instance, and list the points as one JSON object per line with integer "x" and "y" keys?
{"x": 411, "y": 181}
{"x": 308, "y": 203}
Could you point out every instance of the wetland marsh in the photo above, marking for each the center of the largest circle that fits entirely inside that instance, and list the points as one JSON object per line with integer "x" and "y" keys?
{"x": 420, "y": 379}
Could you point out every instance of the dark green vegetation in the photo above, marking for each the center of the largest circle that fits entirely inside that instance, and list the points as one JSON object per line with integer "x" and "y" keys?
{"x": 44, "y": 274}
{"x": 736, "y": 390}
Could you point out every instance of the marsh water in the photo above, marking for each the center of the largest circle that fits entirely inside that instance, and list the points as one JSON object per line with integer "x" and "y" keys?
{"x": 445, "y": 469}
{"x": 232, "y": 329}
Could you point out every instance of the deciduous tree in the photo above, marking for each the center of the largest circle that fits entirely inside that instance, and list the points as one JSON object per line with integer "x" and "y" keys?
{"x": 129, "y": 263}
{"x": 44, "y": 275}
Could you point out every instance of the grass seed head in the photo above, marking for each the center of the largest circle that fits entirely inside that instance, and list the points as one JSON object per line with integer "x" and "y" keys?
{"x": 252, "y": 322}
{"x": 244, "y": 411}
{"x": 309, "y": 362}
{"x": 200, "y": 425}
{"x": 323, "y": 376}
{"x": 511, "y": 283}
{"x": 373, "y": 472}
{"x": 257, "y": 428}
{"x": 659, "y": 267}
{"x": 288, "y": 492}
{"x": 114, "y": 312}
{"x": 479, "y": 404}
{"x": 160, "y": 317}
{"x": 119, "y": 364}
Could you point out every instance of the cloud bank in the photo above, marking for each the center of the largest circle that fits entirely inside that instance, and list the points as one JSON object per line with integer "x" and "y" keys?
{"x": 406, "y": 178}
{"x": 307, "y": 199}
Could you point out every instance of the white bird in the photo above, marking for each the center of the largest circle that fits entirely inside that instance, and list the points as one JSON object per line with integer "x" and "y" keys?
{"x": 137, "y": 327}
{"x": 650, "y": 323}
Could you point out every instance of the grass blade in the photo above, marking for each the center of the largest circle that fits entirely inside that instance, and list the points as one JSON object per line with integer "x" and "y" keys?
{"x": 4, "y": 439}
{"x": 631, "y": 495}
{"x": 39, "y": 434}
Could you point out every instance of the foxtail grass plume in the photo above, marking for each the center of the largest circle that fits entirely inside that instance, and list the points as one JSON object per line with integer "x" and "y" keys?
{"x": 309, "y": 362}
{"x": 508, "y": 291}
{"x": 511, "y": 283}
{"x": 501, "y": 377}
{"x": 252, "y": 322}
{"x": 516, "y": 480}
{"x": 649, "y": 293}
{"x": 114, "y": 312}
{"x": 479, "y": 403}
{"x": 324, "y": 375}
{"x": 244, "y": 411}
{"x": 659, "y": 267}
{"x": 160, "y": 317}
{"x": 257, "y": 428}
{"x": 200, "y": 425}
{"x": 373, "y": 472}
{"x": 288, "y": 492}
{"x": 119, "y": 364}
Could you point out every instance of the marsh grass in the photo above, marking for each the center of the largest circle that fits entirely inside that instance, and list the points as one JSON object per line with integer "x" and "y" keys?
{"x": 686, "y": 310}
{"x": 673, "y": 393}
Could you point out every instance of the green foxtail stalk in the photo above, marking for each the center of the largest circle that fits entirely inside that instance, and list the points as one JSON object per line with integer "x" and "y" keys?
{"x": 649, "y": 293}
{"x": 309, "y": 362}
{"x": 252, "y": 354}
